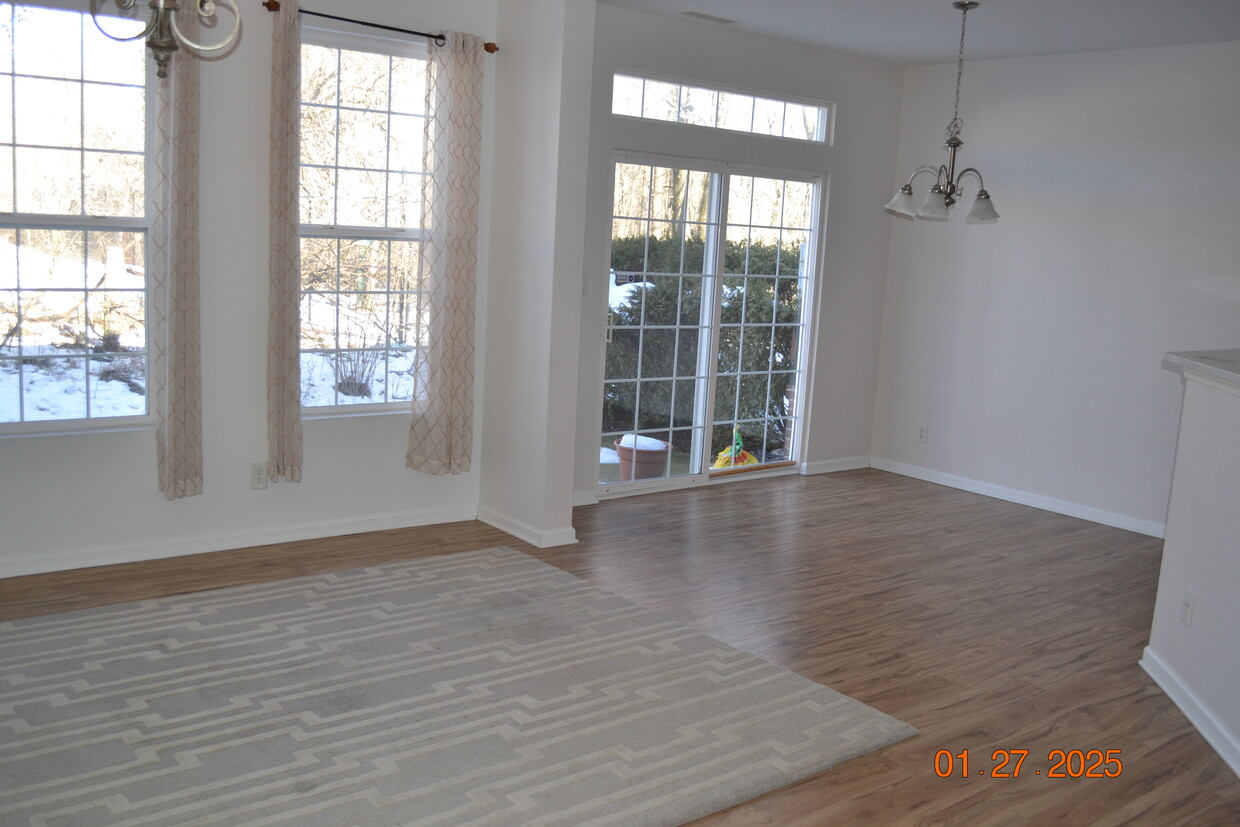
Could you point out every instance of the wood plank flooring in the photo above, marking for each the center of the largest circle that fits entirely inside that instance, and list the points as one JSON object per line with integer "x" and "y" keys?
{"x": 985, "y": 624}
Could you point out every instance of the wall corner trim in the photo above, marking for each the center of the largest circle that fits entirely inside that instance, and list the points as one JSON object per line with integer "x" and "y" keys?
{"x": 1225, "y": 742}
{"x": 537, "y": 537}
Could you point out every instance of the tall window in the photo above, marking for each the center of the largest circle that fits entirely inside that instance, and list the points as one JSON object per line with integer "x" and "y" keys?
{"x": 73, "y": 219}
{"x": 362, "y": 116}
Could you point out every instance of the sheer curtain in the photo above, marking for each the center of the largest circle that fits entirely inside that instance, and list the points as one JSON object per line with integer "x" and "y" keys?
{"x": 172, "y": 268}
{"x": 441, "y": 432}
{"x": 284, "y": 439}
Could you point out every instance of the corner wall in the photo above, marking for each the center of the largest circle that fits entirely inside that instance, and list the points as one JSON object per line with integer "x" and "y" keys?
{"x": 1031, "y": 349}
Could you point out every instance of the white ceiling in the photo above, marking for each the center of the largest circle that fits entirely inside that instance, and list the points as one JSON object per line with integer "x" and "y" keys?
{"x": 928, "y": 31}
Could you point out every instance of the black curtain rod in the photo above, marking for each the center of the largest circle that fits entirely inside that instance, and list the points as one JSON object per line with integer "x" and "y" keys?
{"x": 439, "y": 38}
{"x": 274, "y": 5}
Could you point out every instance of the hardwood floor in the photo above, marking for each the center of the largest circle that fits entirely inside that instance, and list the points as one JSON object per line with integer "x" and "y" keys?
{"x": 987, "y": 625}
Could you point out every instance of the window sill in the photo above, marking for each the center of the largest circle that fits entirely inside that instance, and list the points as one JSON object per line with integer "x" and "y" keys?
{"x": 73, "y": 427}
{"x": 349, "y": 411}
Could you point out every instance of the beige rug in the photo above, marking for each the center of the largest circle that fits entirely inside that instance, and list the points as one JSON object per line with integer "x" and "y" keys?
{"x": 478, "y": 688}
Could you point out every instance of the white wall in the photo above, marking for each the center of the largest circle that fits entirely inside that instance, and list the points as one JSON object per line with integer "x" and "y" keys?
{"x": 1032, "y": 348}
{"x": 1197, "y": 663}
{"x": 542, "y": 123}
{"x": 88, "y": 499}
{"x": 858, "y": 166}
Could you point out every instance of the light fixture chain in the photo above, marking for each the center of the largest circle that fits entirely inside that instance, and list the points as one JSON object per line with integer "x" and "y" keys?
{"x": 953, "y": 128}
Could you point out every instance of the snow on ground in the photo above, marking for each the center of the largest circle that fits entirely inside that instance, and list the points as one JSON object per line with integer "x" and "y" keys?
{"x": 58, "y": 388}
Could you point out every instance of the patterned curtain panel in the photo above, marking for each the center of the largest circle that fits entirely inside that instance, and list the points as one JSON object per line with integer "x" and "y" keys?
{"x": 173, "y": 273}
{"x": 441, "y": 433}
{"x": 284, "y": 441}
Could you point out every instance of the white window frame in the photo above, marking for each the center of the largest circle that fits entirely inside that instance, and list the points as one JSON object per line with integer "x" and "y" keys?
{"x": 823, "y": 133}
{"x": 89, "y": 223}
{"x": 342, "y": 35}
{"x": 809, "y": 323}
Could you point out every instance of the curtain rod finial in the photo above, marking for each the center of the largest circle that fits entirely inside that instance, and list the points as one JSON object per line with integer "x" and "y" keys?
{"x": 491, "y": 48}
{"x": 271, "y": 5}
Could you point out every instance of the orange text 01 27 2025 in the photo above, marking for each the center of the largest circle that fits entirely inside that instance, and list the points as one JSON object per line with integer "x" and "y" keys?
{"x": 1015, "y": 763}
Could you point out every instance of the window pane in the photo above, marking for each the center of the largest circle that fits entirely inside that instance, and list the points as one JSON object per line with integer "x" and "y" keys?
{"x": 114, "y": 184}
{"x": 115, "y": 117}
{"x": 48, "y": 42}
{"x": 699, "y": 106}
{"x": 6, "y": 179}
{"x": 407, "y": 138}
{"x": 363, "y": 139}
{"x": 54, "y": 388}
{"x": 6, "y": 106}
{"x": 361, "y": 198}
{"x": 10, "y": 384}
{"x": 118, "y": 385}
{"x": 801, "y": 122}
{"x": 662, "y": 101}
{"x": 626, "y": 96}
{"x": 318, "y": 135}
{"x": 404, "y": 200}
{"x": 48, "y": 112}
{"x": 319, "y": 75}
{"x": 363, "y": 80}
{"x": 317, "y": 200}
{"x": 735, "y": 111}
{"x": 768, "y": 116}
{"x": 49, "y": 181}
{"x": 408, "y": 85}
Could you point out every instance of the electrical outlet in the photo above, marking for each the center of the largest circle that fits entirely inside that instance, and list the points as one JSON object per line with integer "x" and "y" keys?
{"x": 258, "y": 476}
{"x": 922, "y": 433}
{"x": 1186, "y": 608}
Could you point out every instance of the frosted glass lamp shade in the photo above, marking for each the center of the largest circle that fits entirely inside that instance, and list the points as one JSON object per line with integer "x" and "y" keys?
{"x": 983, "y": 211}
{"x": 902, "y": 205}
{"x": 934, "y": 208}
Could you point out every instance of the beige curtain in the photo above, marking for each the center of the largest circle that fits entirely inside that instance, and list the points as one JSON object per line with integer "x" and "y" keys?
{"x": 284, "y": 442}
{"x": 172, "y": 269}
{"x": 441, "y": 433}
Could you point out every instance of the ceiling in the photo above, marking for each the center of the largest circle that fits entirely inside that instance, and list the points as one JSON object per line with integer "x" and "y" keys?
{"x": 928, "y": 31}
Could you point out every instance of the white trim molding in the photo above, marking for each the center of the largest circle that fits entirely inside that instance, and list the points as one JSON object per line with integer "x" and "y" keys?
{"x": 537, "y": 537}
{"x": 80, "y": 558}
{"x": 1225, "y": 742}
{"x": 830, "y": 466}
{"x": 1014, "y": 495}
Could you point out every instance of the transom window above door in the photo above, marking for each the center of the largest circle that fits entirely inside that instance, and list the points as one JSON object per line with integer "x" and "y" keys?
{"x": 663, "y": 100}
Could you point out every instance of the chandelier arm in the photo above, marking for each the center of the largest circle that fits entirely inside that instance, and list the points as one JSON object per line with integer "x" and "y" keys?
{"x": 123, "y": 5}
{"x": 938, "y": 171}
{"x": 981, "y": 185}
{"x": 227, "y": 41}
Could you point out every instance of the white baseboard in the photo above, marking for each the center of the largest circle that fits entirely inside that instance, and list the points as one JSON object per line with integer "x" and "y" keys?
{"x": 1225, "y": 742}
{"x": 585, "y": 498}
{"x": 524, "y": 531}
{"x": 830, "y": 466}
{"x": 80, "y": 558}
{"x": 999, "y": 492}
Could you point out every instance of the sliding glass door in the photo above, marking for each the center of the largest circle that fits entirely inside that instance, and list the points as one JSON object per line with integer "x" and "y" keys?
{"x": 707, "y": 290}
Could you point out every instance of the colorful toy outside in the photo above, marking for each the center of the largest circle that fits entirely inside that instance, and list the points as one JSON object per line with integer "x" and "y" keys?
{"x": 735, "y": 454}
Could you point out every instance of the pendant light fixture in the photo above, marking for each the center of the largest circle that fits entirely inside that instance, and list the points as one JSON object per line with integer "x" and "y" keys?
{"x": 163, "y": 35}
{"x": 947, "y": 184}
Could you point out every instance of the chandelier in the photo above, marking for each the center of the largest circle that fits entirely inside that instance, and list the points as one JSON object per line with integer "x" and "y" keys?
{"x": 163, "y": 35}
{"x": 947, "y": 184}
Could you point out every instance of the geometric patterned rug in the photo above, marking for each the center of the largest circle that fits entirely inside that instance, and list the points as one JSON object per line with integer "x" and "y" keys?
{"x": 478, "y": 688}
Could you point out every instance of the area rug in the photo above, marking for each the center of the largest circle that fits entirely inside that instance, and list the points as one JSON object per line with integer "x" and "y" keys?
{"x": 477, "y": 688}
